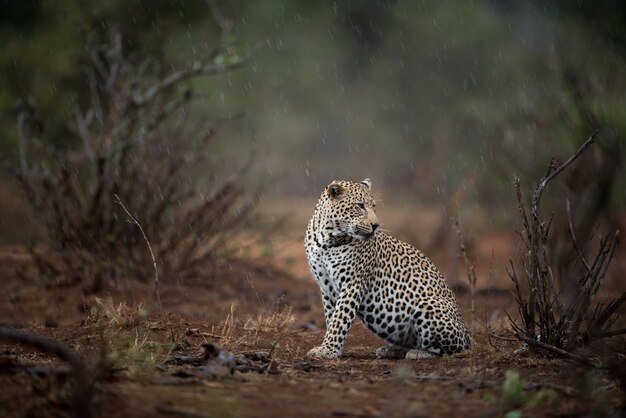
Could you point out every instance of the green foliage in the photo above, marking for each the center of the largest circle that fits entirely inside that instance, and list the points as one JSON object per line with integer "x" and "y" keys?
{"x": 514, "y": 398}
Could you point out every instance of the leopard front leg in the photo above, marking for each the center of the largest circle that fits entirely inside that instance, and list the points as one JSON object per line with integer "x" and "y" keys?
{"x": 339, "y": 325}
{"x": 328, "y": 289}
{"x": 329, "y": 303}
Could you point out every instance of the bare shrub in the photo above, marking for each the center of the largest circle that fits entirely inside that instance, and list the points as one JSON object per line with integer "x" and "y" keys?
{"x": 550, "y": 321}
{"x": 130, "y": 135}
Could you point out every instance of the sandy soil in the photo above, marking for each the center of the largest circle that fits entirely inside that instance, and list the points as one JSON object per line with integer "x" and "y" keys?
{"x": 268, "y": 318}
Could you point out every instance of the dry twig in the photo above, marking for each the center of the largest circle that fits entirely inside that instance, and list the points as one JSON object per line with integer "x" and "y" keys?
{"x": 143, "y": 234}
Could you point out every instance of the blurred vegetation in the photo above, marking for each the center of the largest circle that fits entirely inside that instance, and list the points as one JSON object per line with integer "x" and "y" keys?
{"x": 114, "y": 129}
{"x": 442, "y": 100}
{"x": 515, "y": 398}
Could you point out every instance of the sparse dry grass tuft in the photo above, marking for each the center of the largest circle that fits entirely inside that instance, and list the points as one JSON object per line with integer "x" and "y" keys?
{"x": 122, "y": 315}
{"x": 127, "y": 337}
{"x": 235, "y": 334}
{"x": 226, "y": 332}
{"x": 276, "y": 319}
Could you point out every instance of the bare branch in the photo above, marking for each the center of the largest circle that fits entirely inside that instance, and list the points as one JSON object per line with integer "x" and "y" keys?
{"x": 226, "y": 25}
{"x": 546, "y": 180}
{"x": 197, "y": 69}
{"x": 606, "y": 313}
{"x": 581, "y": 256}
{"x": 21, "y": 143}
{"x": 81, "y": 125}
{"x": 521, "y": 207}
{"x": 469, "y": 266}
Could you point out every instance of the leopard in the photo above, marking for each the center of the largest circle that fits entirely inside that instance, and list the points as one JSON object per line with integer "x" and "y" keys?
{"x": 392, "y": 287}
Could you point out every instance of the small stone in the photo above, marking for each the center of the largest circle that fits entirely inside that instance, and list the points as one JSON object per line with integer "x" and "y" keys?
{"x": 303, "y": 365}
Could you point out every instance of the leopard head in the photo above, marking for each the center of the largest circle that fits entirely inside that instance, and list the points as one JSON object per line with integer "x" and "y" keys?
{"x": 348, "y": 209}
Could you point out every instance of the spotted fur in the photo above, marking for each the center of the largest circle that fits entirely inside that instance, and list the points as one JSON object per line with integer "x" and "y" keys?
{"x": 392, "y": 287}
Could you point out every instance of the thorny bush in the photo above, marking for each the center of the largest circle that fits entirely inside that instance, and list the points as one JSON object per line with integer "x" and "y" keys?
{"x": 551, "y": 321}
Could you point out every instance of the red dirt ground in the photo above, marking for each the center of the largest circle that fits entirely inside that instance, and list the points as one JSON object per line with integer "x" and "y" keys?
{"x": 126, "y": 339}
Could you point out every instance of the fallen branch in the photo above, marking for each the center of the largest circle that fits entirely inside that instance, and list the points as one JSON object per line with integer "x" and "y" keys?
{"x": 82, "y": 385}
{"x": 612, "y": 333}
{"x": 554, "y": 349}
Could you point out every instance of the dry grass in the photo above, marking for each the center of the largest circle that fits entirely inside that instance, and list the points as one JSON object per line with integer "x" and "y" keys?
{"x": 121, "y": 316}
{"x": 226, "y": 331}
{"x": 277, "y": 319}
{"x": 127, "y": 336}
{"x": 236, "y": 334}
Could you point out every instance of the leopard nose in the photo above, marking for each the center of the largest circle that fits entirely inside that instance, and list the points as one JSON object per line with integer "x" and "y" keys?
{"x": 374, "y": 227}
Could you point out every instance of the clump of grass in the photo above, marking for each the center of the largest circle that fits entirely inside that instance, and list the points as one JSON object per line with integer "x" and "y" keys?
{"x": 234, "y": 334}
{"x": 127, "y": 340}
{"x": 515, "y": 398}
{"x": 275, "y": 319}
{"x": 226, "y": 332}
{"x": 121, "y": 315}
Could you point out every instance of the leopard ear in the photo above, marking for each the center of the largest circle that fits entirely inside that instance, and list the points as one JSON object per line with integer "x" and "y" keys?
{"x": 367, "y": 183}
{"x": 335, "y": 190}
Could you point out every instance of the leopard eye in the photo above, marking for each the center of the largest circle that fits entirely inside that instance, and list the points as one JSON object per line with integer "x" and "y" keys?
{"x": 361, "y": 205}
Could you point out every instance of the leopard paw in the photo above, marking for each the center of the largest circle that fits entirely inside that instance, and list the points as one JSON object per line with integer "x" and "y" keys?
{"x": 416, "y": 354}
{"x": 322, "y": 352}
{"x": 391, "y": 351}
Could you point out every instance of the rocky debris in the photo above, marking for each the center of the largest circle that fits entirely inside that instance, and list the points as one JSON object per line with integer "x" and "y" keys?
{"x": 305, "y": 326}
{"x": 216, "y": 362}
{"x": 181, "y": 359}
{"x": 257, "y": 361}
{"x": 304, "y": 366}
